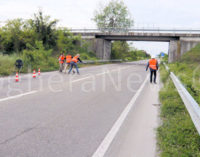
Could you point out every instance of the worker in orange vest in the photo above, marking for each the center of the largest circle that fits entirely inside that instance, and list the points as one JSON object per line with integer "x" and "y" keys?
{"x": 68, "y": 60}
{"x": 61, "y": 62}
{"x": 153, "y": 66}
{"x": 73, "y": 63}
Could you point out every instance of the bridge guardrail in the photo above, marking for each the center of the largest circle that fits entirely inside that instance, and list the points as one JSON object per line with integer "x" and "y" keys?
{"x": 144, "y": 30}
{"x": 191, "y": 105}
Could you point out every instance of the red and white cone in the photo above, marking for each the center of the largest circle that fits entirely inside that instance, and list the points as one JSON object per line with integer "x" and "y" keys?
{"x": 34, "y": 74}
{"x": 39, "y": 71}
{"x": 17, "y": 77}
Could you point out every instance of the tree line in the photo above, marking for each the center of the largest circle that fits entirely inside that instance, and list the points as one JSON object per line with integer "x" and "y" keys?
{"x": 38, "y": 42}
{"x": 18, "y": 35}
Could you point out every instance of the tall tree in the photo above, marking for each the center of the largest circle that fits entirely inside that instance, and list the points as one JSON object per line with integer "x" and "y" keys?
{"x": 11, "y": 36}
{"x": 45, "y": 29}
{"x": 119, "y": 49}
{"x": 115, "y": 17}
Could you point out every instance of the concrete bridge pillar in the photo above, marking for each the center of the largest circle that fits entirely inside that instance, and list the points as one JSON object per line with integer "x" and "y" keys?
{"x": 103, "y": 49}
{"x": 174, "y": 50}
{"x": 178, "y": 47}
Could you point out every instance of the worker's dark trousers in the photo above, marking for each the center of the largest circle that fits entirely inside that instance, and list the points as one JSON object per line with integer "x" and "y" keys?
{"x": 72, "y": 64}
{"x": 152, "y": 72}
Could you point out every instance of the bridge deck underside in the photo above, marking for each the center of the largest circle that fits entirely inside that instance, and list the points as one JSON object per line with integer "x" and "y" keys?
{"x": 139, "y": 38}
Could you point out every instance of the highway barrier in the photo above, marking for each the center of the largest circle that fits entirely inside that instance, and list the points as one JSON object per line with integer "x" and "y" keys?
{"x": 139, "y": 62}
{"x": 102, "y": 61}
{"x": 191, "y": 105}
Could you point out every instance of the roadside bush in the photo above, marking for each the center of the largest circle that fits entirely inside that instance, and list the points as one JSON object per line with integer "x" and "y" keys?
{"x": 7, "y": 64}
{"x": 164, "y": 73}
{"x": 85, "y": 56}
{"x": 39, "y": 58}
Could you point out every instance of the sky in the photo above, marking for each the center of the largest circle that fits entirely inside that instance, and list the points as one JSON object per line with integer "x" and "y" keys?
{"x": 78, "y": 14}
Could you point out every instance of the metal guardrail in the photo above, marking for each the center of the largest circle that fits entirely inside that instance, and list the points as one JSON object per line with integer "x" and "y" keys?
{"x": 139, "y": 62}
{"x": 144, "y": 30}
{"x": 191, "y": 105}
{"x": 101, "y": 61}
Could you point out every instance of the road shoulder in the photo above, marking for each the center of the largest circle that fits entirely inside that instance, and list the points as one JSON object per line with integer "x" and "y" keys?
{"x": 137, "y": 137}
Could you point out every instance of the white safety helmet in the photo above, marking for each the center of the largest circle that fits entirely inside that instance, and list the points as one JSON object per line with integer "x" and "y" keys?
{"x": 152, "y": 56}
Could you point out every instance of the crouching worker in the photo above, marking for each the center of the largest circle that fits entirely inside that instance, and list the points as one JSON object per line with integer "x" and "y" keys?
{"x": 73, "y": 63}
{"x": 68, "y": 60}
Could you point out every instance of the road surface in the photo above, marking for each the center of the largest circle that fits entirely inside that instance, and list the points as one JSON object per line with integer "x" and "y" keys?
{"x": 60, "y": 115}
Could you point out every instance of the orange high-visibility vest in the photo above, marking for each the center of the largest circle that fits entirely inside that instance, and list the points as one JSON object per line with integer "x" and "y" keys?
{"x": 152, "y": 64}
{"x": 68, "y": 58}
{"x": 75, "y": 59}
{"x": 61, "y": 59}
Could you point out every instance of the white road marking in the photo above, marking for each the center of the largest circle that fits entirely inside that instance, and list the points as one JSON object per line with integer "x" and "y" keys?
{"x": 32, "y": 92}
{"x": 17, "y": 96}
{"x": 101, "y": 73}
{"x": 81, "y": 79}
{"x": 108, "y": 71}
{"x": 105, "y": 144}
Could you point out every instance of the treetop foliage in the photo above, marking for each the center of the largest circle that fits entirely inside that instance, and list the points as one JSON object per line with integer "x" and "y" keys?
{"x": 113, "y": 16}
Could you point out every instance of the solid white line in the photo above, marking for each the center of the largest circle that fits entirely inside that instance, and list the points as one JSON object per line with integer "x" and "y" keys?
{"x": 101, "y": 150}
{"x": 101, "y": 73}
{"x": 17, "y": 96}
{"x": 81, "y": 79}
{"x": 109, "y": 71}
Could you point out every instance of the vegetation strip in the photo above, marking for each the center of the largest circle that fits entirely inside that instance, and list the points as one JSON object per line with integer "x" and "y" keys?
{"x": 177, "y": 135}
{"x": 191, "y": 105}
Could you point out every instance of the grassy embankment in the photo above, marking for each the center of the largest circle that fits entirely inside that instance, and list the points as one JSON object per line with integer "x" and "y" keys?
{"x": 33, "y": 59}
{"x": 7, "y": 64}
{"x": 177, "y": 136}
{"x": 40, "y": 58}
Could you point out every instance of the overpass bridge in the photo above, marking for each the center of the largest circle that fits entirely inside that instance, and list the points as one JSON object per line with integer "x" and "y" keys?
{"x": 180, "y": 40}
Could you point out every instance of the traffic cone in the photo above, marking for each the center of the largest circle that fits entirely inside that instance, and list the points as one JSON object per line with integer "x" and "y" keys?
{"x": 39, "y": 71}
{"x": 17, "y": 77}
{"x": 34, "y": 74}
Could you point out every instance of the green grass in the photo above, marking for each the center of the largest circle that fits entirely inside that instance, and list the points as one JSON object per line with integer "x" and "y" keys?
{"x": 7, "y": 64}
{"x": 192, "y": 56}
{"x": 177, "y": 136}
{"x": 35, "y": 58}
{"x": 163, "y": 73}
{"x": 31, "y": 59}
{"x": 188, "y": 71}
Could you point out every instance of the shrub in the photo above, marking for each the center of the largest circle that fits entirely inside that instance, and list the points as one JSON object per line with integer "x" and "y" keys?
{"x": 7, "y": 64}
{"x": 39, "y": 58}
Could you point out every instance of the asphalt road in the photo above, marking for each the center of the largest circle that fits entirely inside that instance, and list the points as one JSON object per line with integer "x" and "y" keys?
{"x": 60, "y": 115}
